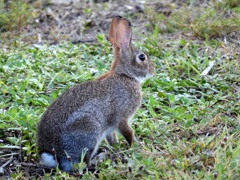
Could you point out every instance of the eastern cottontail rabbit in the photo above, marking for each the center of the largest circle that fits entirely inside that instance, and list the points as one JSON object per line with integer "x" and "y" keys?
{"x": 89, "y": 112}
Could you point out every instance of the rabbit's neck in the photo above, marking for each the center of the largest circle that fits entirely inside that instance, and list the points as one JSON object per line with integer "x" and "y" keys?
{"x": 125, "y": 77}
{"x": 118, "y": 75}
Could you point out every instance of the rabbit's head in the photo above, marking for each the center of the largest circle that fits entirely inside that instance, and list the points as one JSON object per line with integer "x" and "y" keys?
{"x": 127, "y": 59}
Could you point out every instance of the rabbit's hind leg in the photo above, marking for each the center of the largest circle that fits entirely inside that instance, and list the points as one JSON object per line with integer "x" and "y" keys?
{"x": 76, "y": 144}
{"x": 82, "y": 136}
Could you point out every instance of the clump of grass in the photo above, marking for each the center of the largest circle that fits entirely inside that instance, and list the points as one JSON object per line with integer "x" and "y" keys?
{"x": 215, "y": 21}
{"x": 14, "y": 15}
{"x": 215, "y": 24}
{"x": 167, "y": 20}
{"x": 232, "y": 3}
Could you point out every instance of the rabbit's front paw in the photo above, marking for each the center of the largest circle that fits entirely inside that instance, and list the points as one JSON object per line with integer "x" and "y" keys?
{"x": 127, "y": 132}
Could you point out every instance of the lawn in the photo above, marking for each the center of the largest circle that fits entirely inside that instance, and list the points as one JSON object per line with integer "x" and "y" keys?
{"x": 188, "y": 126}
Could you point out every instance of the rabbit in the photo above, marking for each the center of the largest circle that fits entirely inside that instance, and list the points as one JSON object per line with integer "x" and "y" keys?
{"x": 89, "y": 112}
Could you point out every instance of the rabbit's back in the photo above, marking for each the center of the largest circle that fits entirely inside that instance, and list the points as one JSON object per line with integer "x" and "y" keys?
{"x": 94, "y": 106}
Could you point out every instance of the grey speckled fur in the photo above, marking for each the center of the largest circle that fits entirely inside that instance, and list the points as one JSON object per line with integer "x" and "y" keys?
{"x": 89, "y": 112}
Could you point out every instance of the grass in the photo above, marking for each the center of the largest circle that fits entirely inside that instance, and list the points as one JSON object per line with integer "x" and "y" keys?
{"x": 188, "y": 126}
{"x": 14, "y": 15}
{"x": 216, "y": 20}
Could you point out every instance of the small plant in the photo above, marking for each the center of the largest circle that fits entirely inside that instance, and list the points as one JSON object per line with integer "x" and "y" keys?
{"x": 82, "y": 165}
{"x": 232, "y": 3}
{"x": 14, "y": 15}
{"x": 215, "y": 24}
{"x": 215, "y": 21}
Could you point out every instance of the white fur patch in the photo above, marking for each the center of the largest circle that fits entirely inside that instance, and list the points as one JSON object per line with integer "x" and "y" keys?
{"x": 48, "y": 160}
{"x": 142, "y": 78}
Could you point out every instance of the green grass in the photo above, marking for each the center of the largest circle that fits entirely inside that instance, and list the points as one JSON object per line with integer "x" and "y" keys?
{"x": 188, "y": 125}
{"x": 201, "y": 20}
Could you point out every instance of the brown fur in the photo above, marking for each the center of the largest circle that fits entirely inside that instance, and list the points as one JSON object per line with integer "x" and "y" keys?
{"x": 85, "y": 114}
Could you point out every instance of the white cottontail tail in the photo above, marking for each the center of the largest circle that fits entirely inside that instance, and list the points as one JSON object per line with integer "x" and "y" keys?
{"x": 89, "y": 112}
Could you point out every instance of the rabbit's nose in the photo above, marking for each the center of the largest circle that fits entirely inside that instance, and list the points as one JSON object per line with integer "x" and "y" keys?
{"x": 142, "y": 57}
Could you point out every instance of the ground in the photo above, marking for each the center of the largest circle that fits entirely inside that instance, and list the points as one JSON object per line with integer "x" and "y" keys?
{"x": 188, "y": 124}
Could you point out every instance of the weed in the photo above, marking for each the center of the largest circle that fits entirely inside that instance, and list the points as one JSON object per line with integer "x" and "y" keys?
{"x": 215, "y": 24}
{"x": 215, "y": 21}
{"x": 14, "y": 15}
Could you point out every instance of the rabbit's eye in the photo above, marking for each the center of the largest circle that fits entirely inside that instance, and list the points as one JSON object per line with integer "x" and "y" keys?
{"x": 142, "y": 57}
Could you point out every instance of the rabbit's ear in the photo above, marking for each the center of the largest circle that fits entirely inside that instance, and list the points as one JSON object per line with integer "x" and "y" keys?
{"x": 124, "y": 34}
{"x": 112, "y": 33}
